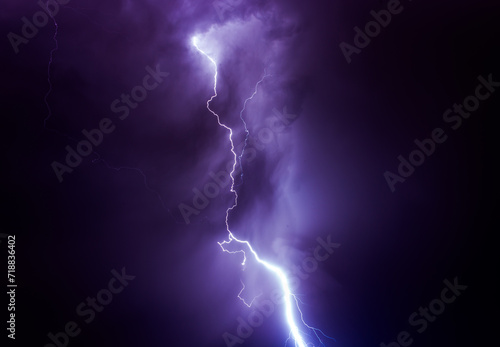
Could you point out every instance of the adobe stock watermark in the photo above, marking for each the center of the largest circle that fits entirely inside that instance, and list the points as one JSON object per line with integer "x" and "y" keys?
{"x": 218, "y": 181}
{"x": 88, "y": 309}
{"x": 373, "y": 28}
{"x": 453, "y": 116}
{"x": 421, "y": 319}
{"x": 264, "y": 308}
{"x": 30, "y": 28}
{"x": 94, "y": 137}
{"x": 223, "y": 6}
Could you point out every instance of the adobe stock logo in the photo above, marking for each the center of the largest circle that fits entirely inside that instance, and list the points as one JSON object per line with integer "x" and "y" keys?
{"x": 29, "y": 29}
{"x": 455, "y": 116}
{"x": 428, "y": 314}
{"x": 88, "y": 309}
{"x": 277, "y": 123}
{"x": 94, "y": 137}
{"x": 372, "y": 29}
{"x": 263, "y": 308}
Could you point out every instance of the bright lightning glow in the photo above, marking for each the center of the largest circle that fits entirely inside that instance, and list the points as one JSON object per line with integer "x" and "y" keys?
{"x": 288, "y": 295}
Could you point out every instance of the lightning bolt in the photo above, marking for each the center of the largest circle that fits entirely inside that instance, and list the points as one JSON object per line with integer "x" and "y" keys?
{"x": 145, "y": 181}
{"x": 245, "y": 124}
{"x": 291, "y": 301}
{"x": 49, "y": 65}
{"x": 99, "y": 158}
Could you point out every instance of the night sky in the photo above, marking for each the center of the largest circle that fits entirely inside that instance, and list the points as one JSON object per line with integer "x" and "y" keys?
{"x": 367, "y": 174}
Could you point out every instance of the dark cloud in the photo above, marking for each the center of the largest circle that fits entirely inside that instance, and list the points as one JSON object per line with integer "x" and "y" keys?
{"x": 322, "y": 132}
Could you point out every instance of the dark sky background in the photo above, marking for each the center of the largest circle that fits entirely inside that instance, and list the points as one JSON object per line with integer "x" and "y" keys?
{"x": 319, "y": 175}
